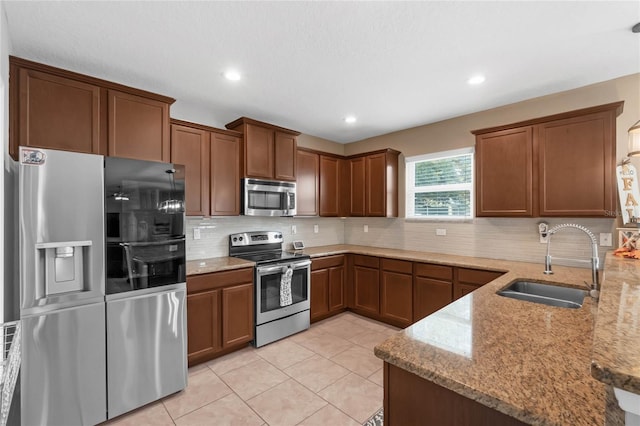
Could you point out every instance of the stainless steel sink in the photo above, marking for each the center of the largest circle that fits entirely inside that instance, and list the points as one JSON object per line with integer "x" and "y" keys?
{"x": 547, "y": 294}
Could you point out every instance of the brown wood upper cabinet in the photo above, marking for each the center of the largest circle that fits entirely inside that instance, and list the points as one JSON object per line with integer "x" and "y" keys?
{"x": 560, "y": 165}
{"x": 212, "y": 160}
{"x": 333, "y": 197}
{"x": 269, "y": 151}
{"x": 59, "y": 109}
{"x": 374, "y": 184}
{"x": 307, "y": 183}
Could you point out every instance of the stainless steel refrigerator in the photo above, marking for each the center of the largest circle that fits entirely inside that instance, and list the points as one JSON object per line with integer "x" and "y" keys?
{"x": 62, "y": 288}
{"x": 102, "y": 285}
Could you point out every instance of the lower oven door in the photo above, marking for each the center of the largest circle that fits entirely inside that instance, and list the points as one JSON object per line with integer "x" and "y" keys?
{"x": 268, "y": 288}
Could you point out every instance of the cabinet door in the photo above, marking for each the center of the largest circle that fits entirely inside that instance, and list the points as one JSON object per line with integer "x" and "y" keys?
{"x": 396, "y": 297}
{"x": 319, "y": 293}
{"x": 225, "y": 175}
{"x": 504, "y": 173}
{"x": 138, "y": 127}
{"x": 329, "y": 186}
{"x": 285, "y": 156}
{"x": 366, "y": 288}
{"x": 57, "y": 113}
{"x": 237, "y": 314}
{"x": 375, "y": 186}
{"x": 307, "y": 183}
{"x": 460, "y": 289}
{"x": 577, "y": 161}
{"x": 429, "y": 295}
{"x": 259, "y": 152}
{"x": 190, "y": 147}
{"x": 203, "y": 324}
{"x": 336, "y": 289}
{"x": 357, "y": 184}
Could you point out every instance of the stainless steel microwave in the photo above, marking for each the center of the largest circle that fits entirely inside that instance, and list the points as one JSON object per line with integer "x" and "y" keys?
{"x": 268, "y": 197}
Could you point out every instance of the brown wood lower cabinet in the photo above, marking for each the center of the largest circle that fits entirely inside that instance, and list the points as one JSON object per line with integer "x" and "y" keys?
{"x": 467, "y": 280}
{"x": 412, "y": 400}
{"x": 432, "y": 288}
{"x": 327, "y": 286}
{"x": 396, "y": 288}
{"x": 220, "y": 314}
{"x": 366, "y": 284}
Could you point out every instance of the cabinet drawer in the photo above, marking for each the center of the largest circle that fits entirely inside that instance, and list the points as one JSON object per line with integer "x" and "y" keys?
{"x": 476, "y": 276}
{"x": 368, "y": 261}
{"x": 327, "y": 262}
{"x": 393, "y": 265}
{"x": 439, "y": 272}
{"x": 196, "y": 283}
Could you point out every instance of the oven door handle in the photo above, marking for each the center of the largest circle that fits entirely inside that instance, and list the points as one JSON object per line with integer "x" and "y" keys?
{"x": 262, "y": 270}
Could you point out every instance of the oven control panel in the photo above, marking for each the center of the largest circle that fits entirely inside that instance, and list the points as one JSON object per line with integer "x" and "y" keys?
{"x": 255, "y": 238}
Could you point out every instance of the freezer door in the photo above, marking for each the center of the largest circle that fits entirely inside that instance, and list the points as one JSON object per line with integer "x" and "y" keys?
{"x": 63, "y": 372}
{"x": 61, "y": 212}
{"x": 146, "y": 348}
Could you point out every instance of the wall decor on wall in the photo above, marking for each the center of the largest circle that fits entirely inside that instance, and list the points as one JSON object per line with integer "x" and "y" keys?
{"x": 628, "y": 192}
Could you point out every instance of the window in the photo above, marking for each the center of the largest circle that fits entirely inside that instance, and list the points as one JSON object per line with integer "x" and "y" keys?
{"x": 440, "y": 185}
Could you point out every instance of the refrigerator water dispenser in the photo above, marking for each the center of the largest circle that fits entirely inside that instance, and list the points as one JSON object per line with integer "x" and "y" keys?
{"x": 64, "y": 266}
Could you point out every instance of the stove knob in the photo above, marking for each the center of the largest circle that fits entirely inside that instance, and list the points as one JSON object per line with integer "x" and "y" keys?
{"x": 279, "y": 236}
{"x": 240, "y": 238}
{"x": 235, "y": 239}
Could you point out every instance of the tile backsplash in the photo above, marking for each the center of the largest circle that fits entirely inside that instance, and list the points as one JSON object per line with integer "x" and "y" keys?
{"x": 214, "y": 232}
{"x": 497, "y": 238}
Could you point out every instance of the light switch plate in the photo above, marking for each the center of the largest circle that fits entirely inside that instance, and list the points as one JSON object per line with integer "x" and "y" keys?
{"x": 366, "y": 228}
{"x": 196, "y": 233}
{"x": 605, "y": 239}
{"x": 316, "y": 229}
{"x": 441, "y": 232}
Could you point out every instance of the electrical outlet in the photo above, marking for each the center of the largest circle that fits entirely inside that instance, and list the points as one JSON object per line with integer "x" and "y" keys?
{"x": 294, "y": 229}
{"x": 196, "y": 233}
{"x": 605, "y": 239}
{"x": 316, "y": 229}
{"x": 366, "y": 228}
{"x": 441, "y": 232}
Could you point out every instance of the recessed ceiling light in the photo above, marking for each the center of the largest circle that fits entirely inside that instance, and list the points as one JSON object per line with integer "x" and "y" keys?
{"x": 350, "y": 119}
{"x": 232, "y": 75}
{"x": 476, "y": 79}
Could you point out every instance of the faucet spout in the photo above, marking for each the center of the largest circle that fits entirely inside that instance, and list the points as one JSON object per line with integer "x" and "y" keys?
{"x": 595, "y": 261}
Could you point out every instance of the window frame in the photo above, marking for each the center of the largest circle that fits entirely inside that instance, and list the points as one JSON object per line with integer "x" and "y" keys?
{"x": 411, "y": 189}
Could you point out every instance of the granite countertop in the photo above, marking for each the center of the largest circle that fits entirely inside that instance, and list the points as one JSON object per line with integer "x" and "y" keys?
{"x": 216, "y": 264}
{"x": 616, "y": 341}
{"x": 540, "y": 364}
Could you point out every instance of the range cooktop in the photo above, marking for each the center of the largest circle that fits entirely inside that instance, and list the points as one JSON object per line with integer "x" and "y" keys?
{"x": 262, "y": 247}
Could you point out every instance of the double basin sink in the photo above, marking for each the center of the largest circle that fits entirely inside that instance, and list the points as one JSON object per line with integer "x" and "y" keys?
{"x": 546, "y": 294}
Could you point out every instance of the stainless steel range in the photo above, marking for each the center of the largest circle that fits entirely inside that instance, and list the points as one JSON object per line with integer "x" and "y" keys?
{"x": 282, "y": 282}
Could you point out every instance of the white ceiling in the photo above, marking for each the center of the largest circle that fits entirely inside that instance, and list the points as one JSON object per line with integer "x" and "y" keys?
{"x": 307, "y": 65}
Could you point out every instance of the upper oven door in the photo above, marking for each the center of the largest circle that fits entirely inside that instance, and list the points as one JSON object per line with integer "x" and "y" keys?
{"x": 269, "y": 198}
{"x": 268, "y": 288}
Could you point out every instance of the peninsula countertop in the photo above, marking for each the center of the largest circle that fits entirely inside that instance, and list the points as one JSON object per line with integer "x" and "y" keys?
{"x": 530, "y": 361}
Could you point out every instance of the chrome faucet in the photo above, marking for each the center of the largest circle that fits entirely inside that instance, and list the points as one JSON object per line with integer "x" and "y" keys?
{"x": 595, "y": 262}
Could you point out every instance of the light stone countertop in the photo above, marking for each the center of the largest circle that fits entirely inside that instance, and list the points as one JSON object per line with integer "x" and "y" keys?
{"x": 530, "y": 361}
{"x": 216, "y": 264}
{"x": 616, "y": 341}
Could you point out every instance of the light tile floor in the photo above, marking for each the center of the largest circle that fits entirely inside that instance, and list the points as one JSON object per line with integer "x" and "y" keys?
{"x": 327, "y": 375}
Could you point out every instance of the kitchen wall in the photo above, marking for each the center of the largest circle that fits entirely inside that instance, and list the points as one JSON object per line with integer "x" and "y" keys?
{"x": 501, "y": 238}
{"x": 513, "y": 239}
